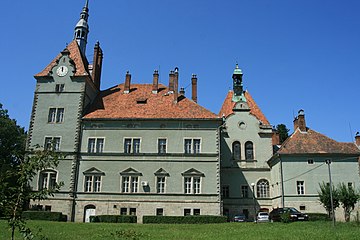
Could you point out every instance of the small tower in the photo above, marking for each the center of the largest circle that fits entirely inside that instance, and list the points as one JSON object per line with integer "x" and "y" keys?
{"x": 82, "y": 28}
{"x": 238, "y": 85}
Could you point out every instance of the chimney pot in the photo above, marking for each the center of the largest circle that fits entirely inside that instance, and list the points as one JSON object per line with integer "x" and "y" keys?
{"x": 171, "y": 81}
{"x": 182, "y": 91}
{"x": 301, "y": 120}
{"x": 155, "y": 82}
{"x": 194, "y": 87}
{"x": 127, "y": 82}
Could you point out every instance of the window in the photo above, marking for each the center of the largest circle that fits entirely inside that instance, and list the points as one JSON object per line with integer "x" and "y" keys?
{"x": 187, "y": 212}
{"x": 192, "y": 146}
{"x": 92, "y": 183}
{"x": 350, "y": 185}
{"x": 56, "y": 115}
{"x": 263, "y": 188}
{"x": 192, "y": 185}
{"x": 196, "y": 211}
{"x": 162, "y": 146}
{"x": 132, "y": 145}
{"x": 95, "y": 145}
{"x": 310, "y": 161}
{"x": 236, "y": 150}
{"x": 130, "y": 184}
{"x": 160, "y": 184}
{"x": 225, "y": 191}
{"x": 249, "y": 151}
{"x": 302, "y": 207}
{"x": 300, "y": 187}
{"x": 123, "y": 211}
{"x": 159, "y": 212}
{"x": 52, "y": 143}
{"x": 47, "y": 179}
{"x": 245, "y": 191}
{"x": 133, "y": 211}
{"x": 59, "y": 88}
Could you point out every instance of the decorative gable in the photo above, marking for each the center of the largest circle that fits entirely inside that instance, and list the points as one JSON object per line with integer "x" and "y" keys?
{"x": 193, "y": 172}
{"x": 161, "y": 172}
{"x": 130, "y": 171}
{"x": 93, "y": 171}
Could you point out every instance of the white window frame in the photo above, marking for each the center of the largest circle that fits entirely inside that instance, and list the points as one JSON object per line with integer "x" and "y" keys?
{"x": 263, "y": 190}
{"x": 161, "y": 185}
{"x": 95, "y": 147}
{"x": 192, "y": 184}
{"x": 242, "y": 189}
{"x": 92, "y": 183}
{"x": 300, "y": 187}
{"x": 130, "y": 187}
{"x": 191, "y": 148}
{"x": 161, "y": 146}
{"x": 54, "y": 145}
{"x": 132, "y": 149}
{"x": 47, "y": 184}
{"x": 56, "y": 115}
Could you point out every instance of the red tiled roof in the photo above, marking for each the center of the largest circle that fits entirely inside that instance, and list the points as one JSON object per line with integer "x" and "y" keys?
{"x": 228, "y": 105}
{"x": 141, "y": 103}
{"x": 312, "y": 142}
{"x": 75, "y": 55}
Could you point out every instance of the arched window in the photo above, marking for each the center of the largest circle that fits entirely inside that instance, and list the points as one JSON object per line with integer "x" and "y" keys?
{"x": 249, "y": 151}
{"x": 263, "y": 188}
{"x": 236, "y": 149}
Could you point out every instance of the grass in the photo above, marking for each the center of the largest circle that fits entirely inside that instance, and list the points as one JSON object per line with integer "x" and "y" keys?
{"x": 226, "y": 231}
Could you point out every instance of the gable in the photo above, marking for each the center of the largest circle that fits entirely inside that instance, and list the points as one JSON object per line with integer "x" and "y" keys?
{"x": 193, "y": 172}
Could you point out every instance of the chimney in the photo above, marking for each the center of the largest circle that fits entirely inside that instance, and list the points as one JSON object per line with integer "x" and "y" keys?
{"x": 97, "y": 65}
{"x": 194, "y": 88}
{"x": 176, "y": 84}
{"x": 171, "y": 81}
{"x": 275, "y": 138}
{"x": 182, "y": 92}
{"x": 127, "y": 82}
{"x": 301, "y": 120}
{"x": 155, "y": 82}
{"x": 357, "y": 139}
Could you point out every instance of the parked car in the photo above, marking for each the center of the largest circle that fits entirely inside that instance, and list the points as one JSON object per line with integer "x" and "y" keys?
{"x": 239, "y": 218}
{"x": 294, "y": 214}
{"x": 262, "y": 217}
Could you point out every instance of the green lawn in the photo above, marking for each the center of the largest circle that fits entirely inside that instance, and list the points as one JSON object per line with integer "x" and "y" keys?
{"x": 226, "y": 231}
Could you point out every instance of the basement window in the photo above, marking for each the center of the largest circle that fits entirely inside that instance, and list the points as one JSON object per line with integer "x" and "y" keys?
{"x": 310, "y": 161}
{"x": 141, "y": 101}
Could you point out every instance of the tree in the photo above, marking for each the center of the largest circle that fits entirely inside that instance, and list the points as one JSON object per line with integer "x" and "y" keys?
{"x": 348, "y": 197}
{"x": 283, "y": 132}
{"x": 18, "y": 168}
{"x": 324, "y": 197}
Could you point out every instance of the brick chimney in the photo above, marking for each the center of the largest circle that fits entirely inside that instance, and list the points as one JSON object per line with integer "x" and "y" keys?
{"x": 194, "y": 88}
{"x": 155, "y": 86}
{"x": 182, "y": 91}
{"x": 176, "y": 84}
{"x": 127, "y": 82}
{"x": 171, "y": 81}
{"x": 299, "y": 122}
{"x": 97, "y": 65}
{"x": 357, "y": 139}
{"x": 275, "y": 138}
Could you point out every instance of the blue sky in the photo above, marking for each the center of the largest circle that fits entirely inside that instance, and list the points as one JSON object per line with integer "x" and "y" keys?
{"x": 294, "y": 54}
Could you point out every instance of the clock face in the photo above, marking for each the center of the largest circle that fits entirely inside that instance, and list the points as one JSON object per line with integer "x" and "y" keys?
{"x": 61, "y": 71}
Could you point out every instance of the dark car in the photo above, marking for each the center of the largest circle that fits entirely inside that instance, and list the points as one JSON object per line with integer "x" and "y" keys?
{"x": 293, "y": 213}
{"x": 239, "y": 218}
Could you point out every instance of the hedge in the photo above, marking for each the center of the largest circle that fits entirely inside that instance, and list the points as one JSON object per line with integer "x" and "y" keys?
{"x": 44, "y": 215}
{"x": 200, "y": 219}
{"x": 318, "y": 217}
{"x": 114, "y": 218}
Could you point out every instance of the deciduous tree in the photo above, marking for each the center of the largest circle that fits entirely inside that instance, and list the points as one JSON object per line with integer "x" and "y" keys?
{"x": 348, "y": 197}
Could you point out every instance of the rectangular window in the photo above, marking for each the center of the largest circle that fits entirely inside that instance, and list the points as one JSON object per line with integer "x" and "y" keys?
{"x": 160, "y": 184}
{"x": 123, "y": 211}
{"x": 225, "y": 191}
{"x": 133, "y": 211}
{"x": 92, "y": 183}
{"x": 52, "y": 143}
{"x": 56, "y": 115}
{"x": 187, "y": 212}
{"x": 59, "y": 88}
{"x": 192, "y": 146}
{"x": 162, "y": 146}
{"x": 95, "y": 145}
{"x": 126, "y": 184}
{"x": 131, "y": 145}
{"x": 310, "y": 161}
{"x": 192, "y": 185}
{"x": 47, "y": 180}
{"x": 159, "y": 212}
{"x": 130, "y": 184}
{"x": 302, "y": 207}
{"x": 134, "y": 184}
{"x": 196, "y": 211}
{"x": 300, "y": 187}
{"x": 245, "y": 191}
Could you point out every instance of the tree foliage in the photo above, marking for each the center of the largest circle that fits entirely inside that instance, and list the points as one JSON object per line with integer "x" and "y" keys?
{"x": 283, "y": 132}
{"x": 324, "y": 197}
{"x": 17, "y": 169}
{"x": 348, "y": 197}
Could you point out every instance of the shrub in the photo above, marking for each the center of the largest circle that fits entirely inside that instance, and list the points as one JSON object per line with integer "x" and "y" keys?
{"x": 318, "y": 217}
{"x": 114, "y": 218}
{"x": 201, "y": 219}
{"x": 44, "y": 215}
{"x": 285, "y": 217}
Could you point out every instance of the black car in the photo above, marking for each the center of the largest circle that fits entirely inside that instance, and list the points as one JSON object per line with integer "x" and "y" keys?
{"x": 293, "y": 214}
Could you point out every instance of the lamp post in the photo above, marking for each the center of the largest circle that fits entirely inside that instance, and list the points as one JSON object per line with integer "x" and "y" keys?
{"x": 253, "y": 191}
{"x": 328, "y": 162}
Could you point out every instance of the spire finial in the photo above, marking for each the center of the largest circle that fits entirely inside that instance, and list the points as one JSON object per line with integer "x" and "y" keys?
{"x": 82, "y": 28}
{"x": 87, "y": 4}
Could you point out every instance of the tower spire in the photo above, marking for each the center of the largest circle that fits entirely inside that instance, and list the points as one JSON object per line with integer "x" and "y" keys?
{"x": 238, "y": 85}
{"x": 82, "y": 28}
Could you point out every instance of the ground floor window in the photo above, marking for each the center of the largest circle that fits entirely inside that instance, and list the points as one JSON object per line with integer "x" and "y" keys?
{"x": 187, "y": 212}
{"x": 159, "y": 212}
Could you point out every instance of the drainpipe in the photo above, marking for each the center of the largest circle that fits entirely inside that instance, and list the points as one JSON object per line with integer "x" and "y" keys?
{"x": 282, "y": 183}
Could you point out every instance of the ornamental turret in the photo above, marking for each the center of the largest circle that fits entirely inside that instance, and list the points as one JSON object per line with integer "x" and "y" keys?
{"x": 238, "y": 85}
{"x": 82, "y": 28}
